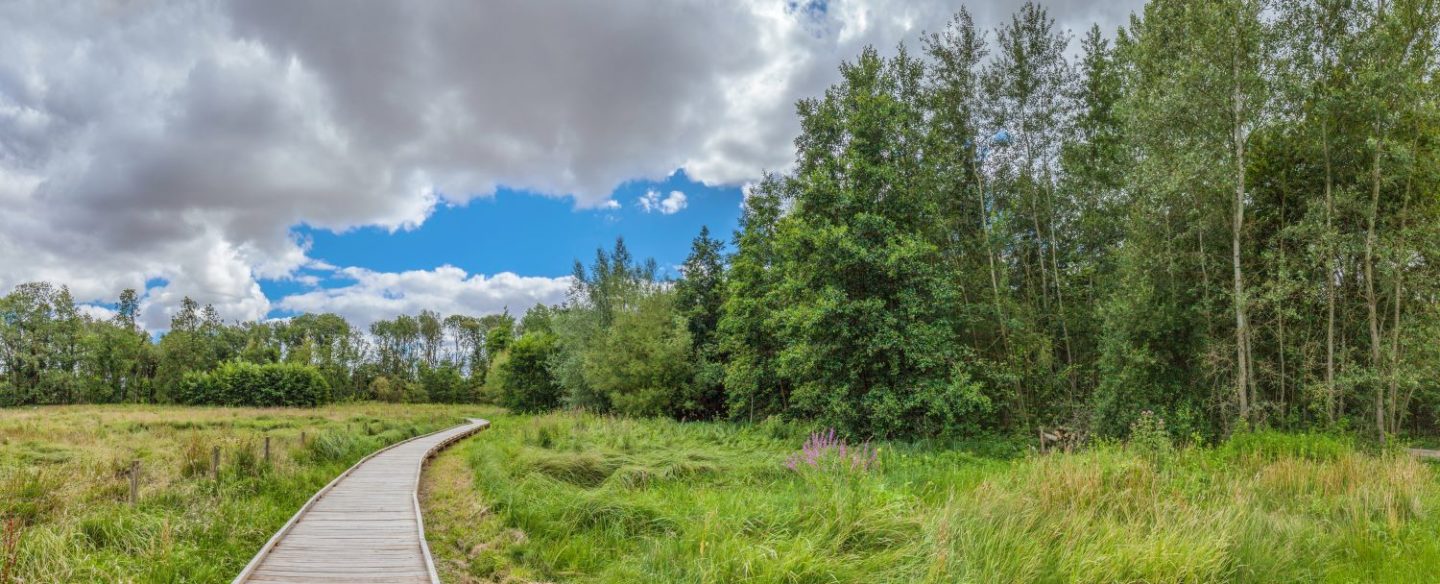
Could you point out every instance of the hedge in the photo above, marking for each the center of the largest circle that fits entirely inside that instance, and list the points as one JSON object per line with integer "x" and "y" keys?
{"x": 249, "y": 384}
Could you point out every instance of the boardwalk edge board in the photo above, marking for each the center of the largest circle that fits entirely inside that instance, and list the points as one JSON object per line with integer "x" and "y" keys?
{"x": 478, "y": 425}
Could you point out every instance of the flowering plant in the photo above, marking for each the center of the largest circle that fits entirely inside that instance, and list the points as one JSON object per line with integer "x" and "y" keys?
{"x": 826, "y": 450}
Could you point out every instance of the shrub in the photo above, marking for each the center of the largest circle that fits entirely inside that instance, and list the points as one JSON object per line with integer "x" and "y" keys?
{"x": 384, "y": 390}
{"x": 523, "y": 378}
{"x": 443, "y": 385}
{"x": 643, "y": 361}
{"x": 249, "y": 384}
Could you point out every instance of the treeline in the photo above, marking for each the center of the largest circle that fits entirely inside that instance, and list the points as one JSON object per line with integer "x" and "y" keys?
{"x": 52, "y": 353}
{"x": 1226, "y": 214}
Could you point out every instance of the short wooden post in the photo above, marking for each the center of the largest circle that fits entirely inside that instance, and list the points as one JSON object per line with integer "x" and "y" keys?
{"x": 215, "y": 463}
{"x": 267, "y": 449}
{"x": 134, "y": 482}
{"x": 302, "y": 437}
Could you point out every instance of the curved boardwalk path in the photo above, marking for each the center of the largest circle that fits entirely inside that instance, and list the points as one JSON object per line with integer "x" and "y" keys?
{"x": 363, "y": 527}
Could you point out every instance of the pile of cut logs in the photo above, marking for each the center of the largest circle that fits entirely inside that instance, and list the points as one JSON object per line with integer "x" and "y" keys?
{"x": 1059, "y": 437}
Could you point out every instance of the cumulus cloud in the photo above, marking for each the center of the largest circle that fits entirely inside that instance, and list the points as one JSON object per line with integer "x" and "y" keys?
{"x": 372, "y": 296}
{"x": 96, "y": 312}
{"x": 180, "y": 142}
{"x": 670, "y": 205}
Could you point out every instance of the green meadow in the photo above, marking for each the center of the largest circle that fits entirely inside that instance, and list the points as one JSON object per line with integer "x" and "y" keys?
{"x": 65, "y": 512}
{"x": 580, "y": 498}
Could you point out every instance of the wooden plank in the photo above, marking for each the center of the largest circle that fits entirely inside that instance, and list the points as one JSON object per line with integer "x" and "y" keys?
{"x": 365, "y": 526}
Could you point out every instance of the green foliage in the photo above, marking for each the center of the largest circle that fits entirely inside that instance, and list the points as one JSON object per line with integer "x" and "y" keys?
{"x": 749, "y": 334}
{"x": 642, "y": 363}
{"x": 248, "y": 384}
{"x": 622, "y": 345}
{"x": 699, "y": 296}
{"x": 1149, "y": 438}
{"x": 1270, "y": 445}
{"x": 523, "y": 376}
{"x": 443, "y": 384}
{"x": 864, "y": 313}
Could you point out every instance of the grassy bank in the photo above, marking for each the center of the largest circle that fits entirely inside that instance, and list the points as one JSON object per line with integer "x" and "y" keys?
{"x": 578, "y": 498}
{"x": 64, "y": 482}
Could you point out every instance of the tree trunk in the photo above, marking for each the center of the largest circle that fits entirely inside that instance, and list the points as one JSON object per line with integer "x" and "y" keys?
{"x": 1371, "y": 304}
{"x": 1242, "y": 328}
{"x": 995, "y": 287}
{"x": 1397, "y": 406}
{"x": 1330, "y": 390}
{"x": 1060, "y": 292}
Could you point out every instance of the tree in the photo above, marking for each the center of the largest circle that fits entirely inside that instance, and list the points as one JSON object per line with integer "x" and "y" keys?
{"x": 523, "y": 377}
{"x": 699, "y": 295}
{"x": 870, "y": 339}
{"x": 1026, "y": 87}
{"x": 432, "y": 336}
{"x": 747, "y": 331}
{"x": 641, "y": 362}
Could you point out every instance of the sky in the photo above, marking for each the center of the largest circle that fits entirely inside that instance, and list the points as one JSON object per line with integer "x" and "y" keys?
{"x": 367, "y": 158}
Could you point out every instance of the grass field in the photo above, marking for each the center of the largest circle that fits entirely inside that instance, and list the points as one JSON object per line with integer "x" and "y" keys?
{"x": 567, "y": 497}
{"x": 64, "y": 484}
{"x": 571, "y": 497}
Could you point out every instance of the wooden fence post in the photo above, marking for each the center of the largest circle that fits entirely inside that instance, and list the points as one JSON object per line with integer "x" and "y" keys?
{"x": 302, "y": 437}
{"x": 267, "y": 449}
{"x": 134, "y": 482}
{"x": 215, "y": 463}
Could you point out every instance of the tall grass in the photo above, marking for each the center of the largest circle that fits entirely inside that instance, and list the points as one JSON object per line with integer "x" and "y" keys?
{"x": 64, "y": 482}
{"x": 568, "y": 497}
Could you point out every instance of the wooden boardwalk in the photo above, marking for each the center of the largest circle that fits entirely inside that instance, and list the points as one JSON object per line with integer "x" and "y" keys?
{"x": 363, "y": 527}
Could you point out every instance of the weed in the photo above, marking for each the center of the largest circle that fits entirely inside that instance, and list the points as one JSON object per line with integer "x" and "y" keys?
{"x": 9, "y": 548}
{"x": 1149, "y": 438}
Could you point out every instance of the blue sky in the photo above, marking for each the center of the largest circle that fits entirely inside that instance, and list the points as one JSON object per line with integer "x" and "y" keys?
{"x": 524, "y": 233}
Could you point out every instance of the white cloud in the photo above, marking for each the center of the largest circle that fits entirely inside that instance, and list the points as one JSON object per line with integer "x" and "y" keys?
{"x": 670, "y": 205}
{"x": 96, "y": 312}
{"x": 449, "y": 290}
{"x": 182, "y": 140}
{"x": 673, "y": 203}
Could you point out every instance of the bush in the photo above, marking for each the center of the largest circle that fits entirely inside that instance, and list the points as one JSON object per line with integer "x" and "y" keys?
{"x": 523, "y": 378}
{"x": 444, "y": 385}
{"x": 397, "y": 391}
{"x": 249, "y": 384}
{"x": 383, "y": 390}
{"x": 643, "y": 361}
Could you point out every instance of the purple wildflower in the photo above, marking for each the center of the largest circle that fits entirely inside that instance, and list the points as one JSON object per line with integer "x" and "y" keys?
{"x": 827, "y": 451}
